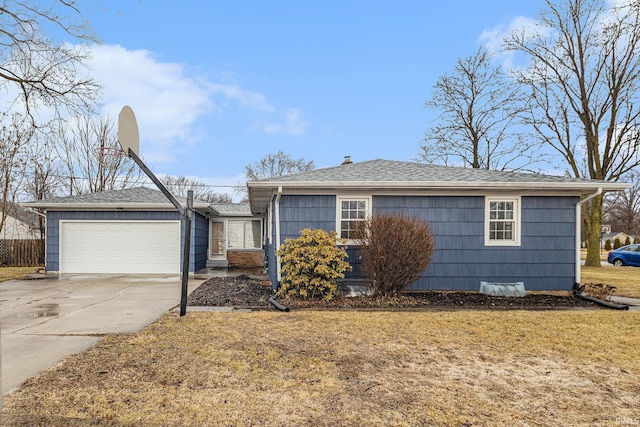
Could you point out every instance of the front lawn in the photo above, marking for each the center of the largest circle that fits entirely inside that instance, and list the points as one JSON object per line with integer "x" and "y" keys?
{"x": 10, "y": 273}
{"x": 327, "y": 368}
{"x": 625, "y": 279}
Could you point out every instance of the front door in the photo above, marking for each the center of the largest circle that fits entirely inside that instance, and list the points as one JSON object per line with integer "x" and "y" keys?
{"x": 217, "y": 247}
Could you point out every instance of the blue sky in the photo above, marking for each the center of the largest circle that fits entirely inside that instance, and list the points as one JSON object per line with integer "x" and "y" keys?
{"x": 216, "y": 85}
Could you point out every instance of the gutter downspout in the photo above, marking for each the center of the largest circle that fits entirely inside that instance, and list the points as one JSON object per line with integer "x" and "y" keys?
{"x": 277, "y": 209}
{"x": 578, "y": 222}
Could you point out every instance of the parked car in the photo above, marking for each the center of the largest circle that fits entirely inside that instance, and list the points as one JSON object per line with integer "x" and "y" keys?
{"x": 625, "y": 255}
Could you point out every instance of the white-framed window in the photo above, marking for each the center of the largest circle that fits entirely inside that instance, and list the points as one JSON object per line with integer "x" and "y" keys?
{"x": 502, "y": 221}
{"x": 244, "y": 234}
{"x": 350, "y": 211}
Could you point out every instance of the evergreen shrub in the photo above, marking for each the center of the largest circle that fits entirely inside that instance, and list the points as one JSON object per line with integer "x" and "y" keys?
{"x": 312, "y": 265}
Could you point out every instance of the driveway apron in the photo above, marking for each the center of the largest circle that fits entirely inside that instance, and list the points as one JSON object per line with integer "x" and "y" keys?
{"x": 42, "y": 321}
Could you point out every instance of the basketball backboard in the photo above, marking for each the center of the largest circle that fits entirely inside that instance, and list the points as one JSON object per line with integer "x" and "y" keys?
{"x": 128, "y": 135}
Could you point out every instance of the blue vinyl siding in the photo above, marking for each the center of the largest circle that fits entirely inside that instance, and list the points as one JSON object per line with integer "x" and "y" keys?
{"x": 199, "y": 237}
{"x": 299, "y": 212}
{"x": 199, "y": 242}
{"x": 543, "y": 261}
{"x": 296, "y": 213}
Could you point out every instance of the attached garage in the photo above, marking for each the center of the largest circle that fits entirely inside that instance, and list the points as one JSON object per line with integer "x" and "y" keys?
{"x": 131, "y": 231}
{"x": 120, "y": 247}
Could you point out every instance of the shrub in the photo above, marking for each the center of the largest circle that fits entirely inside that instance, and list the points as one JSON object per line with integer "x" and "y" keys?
{"x": 607, "y": 245}
{"x": 616, "y": 243}
{"x": 627, "y": 241}
{"x": 312, "y": 265}
{"x": 395, "y": 250}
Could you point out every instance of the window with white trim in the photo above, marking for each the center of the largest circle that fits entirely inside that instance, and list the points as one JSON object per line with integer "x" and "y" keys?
{"x": 502, "y": 221}
{"x": 351, "y": 211}
{"x": 244, "y": 234}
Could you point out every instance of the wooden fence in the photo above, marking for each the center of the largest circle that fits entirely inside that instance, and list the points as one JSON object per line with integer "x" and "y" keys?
{"x": 22, "y": 253}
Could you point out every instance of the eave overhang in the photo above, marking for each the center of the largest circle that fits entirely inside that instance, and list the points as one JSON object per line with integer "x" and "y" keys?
{"x": 261, "y": 192}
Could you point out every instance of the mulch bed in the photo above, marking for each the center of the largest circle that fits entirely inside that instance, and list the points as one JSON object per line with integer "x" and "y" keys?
{"x": 247, "y": 292}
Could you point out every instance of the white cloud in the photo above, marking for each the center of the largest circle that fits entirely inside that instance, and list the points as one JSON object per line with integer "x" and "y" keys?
{"x": 165, "y": 100}
{"x": 293, "y": 124}
{"x": 244, "y": 98}
{"x": 493, "y": 38}
{"x": 168, "y": 102}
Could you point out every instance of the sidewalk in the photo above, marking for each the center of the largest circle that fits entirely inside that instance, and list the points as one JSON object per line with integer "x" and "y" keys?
{"x": 633, "y": 303}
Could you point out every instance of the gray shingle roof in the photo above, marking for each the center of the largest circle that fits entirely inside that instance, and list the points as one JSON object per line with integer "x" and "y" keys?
{"x": 136, "y": 198}
{"x": 17, "y": 212}
{"x": 129, "y": 195}
{"x": 232, "y": 208}
{"x": 397, "y": 171}
{"x": 392, "y": 175}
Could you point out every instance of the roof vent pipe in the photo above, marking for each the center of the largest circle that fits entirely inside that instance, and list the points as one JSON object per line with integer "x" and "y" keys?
{"x": 347, "y": 160}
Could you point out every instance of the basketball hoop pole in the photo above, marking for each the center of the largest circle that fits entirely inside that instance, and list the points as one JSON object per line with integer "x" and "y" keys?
{"x": 186, "y": 213}
{"x": 157, "y": 182}
{"x": 129, "y": 140}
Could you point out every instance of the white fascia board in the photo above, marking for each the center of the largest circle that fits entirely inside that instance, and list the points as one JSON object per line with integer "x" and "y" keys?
{"x": 227, "y": 215}
{"x": 450, "y": 185}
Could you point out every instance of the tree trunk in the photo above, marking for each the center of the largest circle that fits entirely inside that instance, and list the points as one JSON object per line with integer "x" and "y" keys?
{"x": 593, "y": 224}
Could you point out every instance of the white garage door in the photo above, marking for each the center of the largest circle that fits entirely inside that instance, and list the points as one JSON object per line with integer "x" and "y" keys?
{"x": 120, "y": 247}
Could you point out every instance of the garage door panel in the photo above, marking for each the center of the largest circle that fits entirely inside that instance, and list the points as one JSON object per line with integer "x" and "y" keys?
{"x": 120, "y": 247}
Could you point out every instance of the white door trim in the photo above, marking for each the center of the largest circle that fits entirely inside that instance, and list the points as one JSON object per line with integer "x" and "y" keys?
{"x": 224, "y": 239}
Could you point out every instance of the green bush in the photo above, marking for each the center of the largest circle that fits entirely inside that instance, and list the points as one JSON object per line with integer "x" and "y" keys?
{"x": 395, "y": 250}
{"x": 312, "y": 265}
{"x": 627, "y": 241}
{"x": 616, "y": 243}
{"x": 607, "y": 245}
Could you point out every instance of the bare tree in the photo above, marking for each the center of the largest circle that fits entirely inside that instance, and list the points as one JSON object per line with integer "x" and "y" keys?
{"x": 273, "y": 165}
{"x": 180, "y": 185}
{"x": 43, "y": 80}
{"x": 43, "y": 176}
{"x": 583, "y": 77}
{"x": 45, "y": 73}
{"x": 479, "y": 113}
{"x": 92, "y": 158}
{"x": 15, "y": 135}
{"x": 277, "y": 164}
{"x": 622, "y": 209}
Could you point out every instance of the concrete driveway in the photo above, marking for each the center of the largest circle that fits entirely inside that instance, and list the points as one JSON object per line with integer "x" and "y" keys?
{"x": 44, "y": 320}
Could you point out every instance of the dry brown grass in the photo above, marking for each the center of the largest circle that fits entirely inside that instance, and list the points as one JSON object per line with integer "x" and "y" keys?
{"x": 625, "y": 279}
{"x": 603, "y": 254}
{"x": 329, "y": 368}
{"x": 10, "y": 273}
